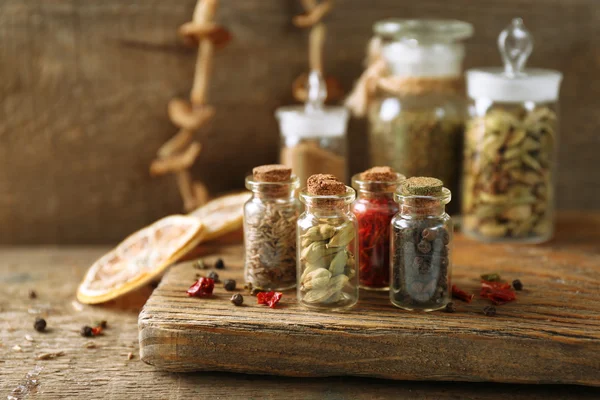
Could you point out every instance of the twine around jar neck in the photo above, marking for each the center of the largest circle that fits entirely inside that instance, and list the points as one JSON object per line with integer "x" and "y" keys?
{"x": 379, "y": 77}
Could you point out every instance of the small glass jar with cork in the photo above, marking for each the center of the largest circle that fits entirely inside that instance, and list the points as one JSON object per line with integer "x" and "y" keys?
{"x": 270, "y": 218}
{"x": 510, "y": 146}
{"x": 374, "y": 209}
{"x": 412, "y": 94}
{"x": 421, "y": 246}
{"x": 327, "y": 245}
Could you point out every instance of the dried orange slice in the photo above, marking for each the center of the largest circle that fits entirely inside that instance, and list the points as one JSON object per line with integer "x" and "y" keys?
{"x": 140, "y": 258}
{"x": 222, "y": 215}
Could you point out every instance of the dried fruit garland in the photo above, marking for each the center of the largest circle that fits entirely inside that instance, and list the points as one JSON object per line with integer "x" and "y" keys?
{"x": 179, "y": 153}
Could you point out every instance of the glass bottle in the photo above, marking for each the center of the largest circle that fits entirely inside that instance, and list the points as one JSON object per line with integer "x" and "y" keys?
{"x": 313, "y": 136}
{"x": 417, "y": 109}
{"x": 327, "y": 246}
{"x": 510, "y": 146}
{"x": 421, "y": 246}
{"x": 374, "y": 209}
{"x": 270, "y": 218}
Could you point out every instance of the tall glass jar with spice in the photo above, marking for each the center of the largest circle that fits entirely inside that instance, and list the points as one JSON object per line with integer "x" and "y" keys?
{"x": 374, "y": 209}
{"x": 270, "y": 218}
{"x": 421, "y": 246}
{"x": 412, "y": 93}
{"x": 313, "y": 136}
{"x": 510, "y": 146}
{"x": 327, "y": 245}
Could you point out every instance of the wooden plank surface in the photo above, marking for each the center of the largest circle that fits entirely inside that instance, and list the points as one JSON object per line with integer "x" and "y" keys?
{"x": 85, "y": 86}
{"x": 106, "y": 373}
{"x": 551, "y": 334}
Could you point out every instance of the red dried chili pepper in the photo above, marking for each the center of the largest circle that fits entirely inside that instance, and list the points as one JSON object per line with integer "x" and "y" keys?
{"x": 269, "y": 298}
{"x": 374, "y": 216}
{"x": 97, "y": 330}
{"x": 461, "y": 294}
{"x": 498, "y": 292}
{"x": 202, "y": 288}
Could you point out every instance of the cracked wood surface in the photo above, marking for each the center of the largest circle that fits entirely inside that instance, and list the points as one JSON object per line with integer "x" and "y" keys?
{"x": 105, "y": 372}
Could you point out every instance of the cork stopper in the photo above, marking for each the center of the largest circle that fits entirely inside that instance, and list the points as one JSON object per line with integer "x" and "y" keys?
{"x": 272, "y": 173}
{"x": 379, "y": 174}
{"x": 422, "y": 186}
{"x": 325, "y": 185}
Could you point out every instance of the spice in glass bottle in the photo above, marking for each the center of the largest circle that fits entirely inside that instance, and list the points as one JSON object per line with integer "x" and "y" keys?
{"x": 421, "y": 246}
{"x": 374, "y": 209}
{"x": 270, "y": 228}
{"x": 327, "y": 245}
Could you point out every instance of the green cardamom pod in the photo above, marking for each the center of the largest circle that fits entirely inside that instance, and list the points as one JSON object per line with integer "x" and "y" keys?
{"x": 338, "y": 263}
{"x": 337, "y": 282}
{"x": 343, "y": 236}
{"x": 319, "y": 232}
{"x": 316, "y": 296}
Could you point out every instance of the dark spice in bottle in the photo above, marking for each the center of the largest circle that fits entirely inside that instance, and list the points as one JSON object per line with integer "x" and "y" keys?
{"x": 219, "y": 264}
{"x": 39, "y": 324}
{"x": 229, "y": 285}
{"x": 237, "y": 299}
{"x": 517, "y": 284}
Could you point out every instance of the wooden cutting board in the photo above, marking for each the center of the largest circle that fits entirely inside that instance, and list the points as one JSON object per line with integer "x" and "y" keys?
{"x": 551, "y": 334}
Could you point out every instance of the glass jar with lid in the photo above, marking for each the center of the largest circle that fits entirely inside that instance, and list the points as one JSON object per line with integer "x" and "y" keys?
{"x": 421, "y": 246}
{"x": 270, "y": 218}
{"x": 374, "y": 209}
{"x": 327, "y": 245}
{"x": 413, "y": 96}
{"x": 313, "y": 136}
{"x": 510, "y": 146}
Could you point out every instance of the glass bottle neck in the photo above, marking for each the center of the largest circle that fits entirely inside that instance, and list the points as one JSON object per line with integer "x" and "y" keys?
{"x": 422, "y": 208}
{"x": 327, "y": 211}
{"x": 369, "y": 195}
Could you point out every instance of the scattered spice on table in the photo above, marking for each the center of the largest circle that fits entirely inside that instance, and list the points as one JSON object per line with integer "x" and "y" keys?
{"x": 269, "y": 298}
{"x": 32, "y": 294}
{"x": 229, "y": 285}
{"x": 450, "y": 308}
{"x": 214, "y": 276}
{"x": 50, "y": 356}
{"x": 491, "y": 277}
{"x": 202, "y": 288}
{"x": 29, "y": 338}
{"x": 489, "y": 311}
{"x": 86, "y": 331}
{"x": 517, "y": 284}
{"x": 200, "y": 265}
{"x": 498, "y": 292}
{"x": 103, "y": 324}
{"x": 16, "y": 347}
{"x": 130, "y": 356}
{"x": 39, "y": 324}
{"x": 460, "y": 294}
{"x": 90, "y": 345}
{"x": 237, "y": 299}
{"x": 220, "y": 264}
{"x": 256, "y": 291}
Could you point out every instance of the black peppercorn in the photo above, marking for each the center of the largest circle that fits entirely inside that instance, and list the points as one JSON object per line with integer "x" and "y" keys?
{"x": 489, "y": 311}
{"x": 39, "y": 324}
{"x": 429, "y": 234}
{"x": 86, "y": 331}
{"x": 214, "y": 276}
{"x": 237, "y": 299}
{"x": 450, "y": 307}
{"x": 424, "y": 247}
{"x": 229, "y": 285}
{"x": 103, "y": 324}
{"x": 220, "y": 264}
{"x": 517, "y": 284}
{"x": 32, "y": 294}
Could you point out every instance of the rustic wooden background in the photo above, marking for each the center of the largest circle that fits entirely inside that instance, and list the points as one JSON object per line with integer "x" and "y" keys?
{"x": 84, "y": 86}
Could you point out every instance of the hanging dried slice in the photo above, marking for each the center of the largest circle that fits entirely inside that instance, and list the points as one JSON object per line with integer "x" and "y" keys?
{"x": 140, "y": 258}
{"x": 222, "y": 215}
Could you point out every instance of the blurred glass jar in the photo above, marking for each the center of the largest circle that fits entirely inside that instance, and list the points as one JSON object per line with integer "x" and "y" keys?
{"x": 327, "y": 247}
{"x": 510, "y": 146}
{"x": 421, "y": 246}
{"x": 414, "y": 97}
{"x": 270, "y": 218}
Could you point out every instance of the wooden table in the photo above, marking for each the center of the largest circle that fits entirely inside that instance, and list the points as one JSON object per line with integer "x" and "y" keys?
{"x": 106, "y": 372}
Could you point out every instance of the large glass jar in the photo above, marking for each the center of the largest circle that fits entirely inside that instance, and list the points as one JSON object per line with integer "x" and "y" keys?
{"x": 270, "y": 218}
{"x": 510, "y": 147}
{"x": 416, "y": 108}
{"x": 421, "y": 246}
{"x": 327, "y": 247}
{"x": 374, "y": 209}
{"x": 313, "y": 136}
